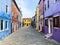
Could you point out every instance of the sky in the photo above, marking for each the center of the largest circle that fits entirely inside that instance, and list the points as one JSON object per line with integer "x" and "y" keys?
{"x": 28, "y": 7}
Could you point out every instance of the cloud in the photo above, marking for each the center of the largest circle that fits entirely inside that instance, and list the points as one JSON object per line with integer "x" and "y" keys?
{"x": 27, "y": 7}
{"x": 26, "y": 12}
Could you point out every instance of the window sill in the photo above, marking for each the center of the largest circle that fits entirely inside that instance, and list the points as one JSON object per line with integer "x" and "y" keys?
{"x": 56, "y": 27}
{"x": 1, "y": 30}
{"x": 7, "y": 29}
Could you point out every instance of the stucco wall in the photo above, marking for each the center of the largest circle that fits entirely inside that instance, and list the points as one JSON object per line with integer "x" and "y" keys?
{"x": 54, "y": 8}
{"x": 56, "y": 34}
{"x": 46, "y": 29}
{"x": 5, "y": 17}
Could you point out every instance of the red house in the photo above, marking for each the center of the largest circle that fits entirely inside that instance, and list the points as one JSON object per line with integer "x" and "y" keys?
{"x": 15, "y": 13}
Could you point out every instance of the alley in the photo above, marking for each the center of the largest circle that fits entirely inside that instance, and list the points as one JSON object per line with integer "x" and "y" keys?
{"x": 26, "y": 36}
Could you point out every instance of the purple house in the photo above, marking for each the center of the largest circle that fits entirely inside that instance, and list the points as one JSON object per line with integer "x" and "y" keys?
{"x": 52, "y": 19}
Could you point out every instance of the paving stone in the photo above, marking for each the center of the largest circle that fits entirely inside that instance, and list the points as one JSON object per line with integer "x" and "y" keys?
{"x": 26, "y": 36}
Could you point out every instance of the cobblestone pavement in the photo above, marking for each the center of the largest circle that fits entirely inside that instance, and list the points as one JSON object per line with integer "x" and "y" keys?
{"x": 26, "y": 36}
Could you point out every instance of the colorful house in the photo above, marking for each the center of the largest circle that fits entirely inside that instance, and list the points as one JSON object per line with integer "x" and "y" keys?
{"x": 15, "y": 14}
{"x": 41, "y": 15}
{"x": 34, "y": 21}
{"x": 20, "y": 19}
{"x": 52, "y": 19}
{"x": 5, "y": 18}
{"x": 27, "y": 21}
{"x": 37, "y": 18}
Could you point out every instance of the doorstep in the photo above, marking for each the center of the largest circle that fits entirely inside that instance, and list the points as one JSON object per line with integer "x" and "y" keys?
{"x": 48, "y": 36}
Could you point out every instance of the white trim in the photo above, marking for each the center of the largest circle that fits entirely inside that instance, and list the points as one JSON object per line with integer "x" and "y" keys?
{"x": 7, "y": 25}
{"x": 56, "y": 15}
{"x": 46, "y": 18}
{"x": 1, "y": 30}
{"x": 3, "y": 25}
{"x": 41, "y": 24}
{"x": 49, "y": 25}
{"x": 54, "y": 1}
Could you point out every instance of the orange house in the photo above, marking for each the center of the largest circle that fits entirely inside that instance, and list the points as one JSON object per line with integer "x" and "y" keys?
{"x": 15, "y": 13}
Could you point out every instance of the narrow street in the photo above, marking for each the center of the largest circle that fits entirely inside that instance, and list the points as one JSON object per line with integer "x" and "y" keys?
{"x": 26, "y": 36}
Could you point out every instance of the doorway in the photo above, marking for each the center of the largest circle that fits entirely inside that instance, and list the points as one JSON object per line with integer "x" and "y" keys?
{"x": 14, "y": 27}
{"x": 50, "y": 25}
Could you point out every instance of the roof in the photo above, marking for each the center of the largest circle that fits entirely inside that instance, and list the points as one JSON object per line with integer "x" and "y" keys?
{"x": 27, "y": 18}
{"x": 16, "y": 5}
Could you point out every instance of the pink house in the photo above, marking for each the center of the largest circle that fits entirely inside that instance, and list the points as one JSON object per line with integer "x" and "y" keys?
{"x": 41, "y": 15}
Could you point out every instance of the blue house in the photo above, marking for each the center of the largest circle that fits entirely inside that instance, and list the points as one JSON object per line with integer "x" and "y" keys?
{"x": 52, "y": 19}
{"x": 5, "y": 18}
{"x": 34, "y": 21}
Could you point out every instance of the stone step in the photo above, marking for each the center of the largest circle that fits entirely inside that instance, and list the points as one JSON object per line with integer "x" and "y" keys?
{"x": 48, "y": 35}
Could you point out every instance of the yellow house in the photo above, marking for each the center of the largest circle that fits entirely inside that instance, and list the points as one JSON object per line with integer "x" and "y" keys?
{"x": 27, "y": 21}
{"x": 37, "y": 18}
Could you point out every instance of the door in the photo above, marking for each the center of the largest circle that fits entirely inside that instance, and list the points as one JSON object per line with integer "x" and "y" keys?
{"x": 41, "y": 26}
{"x": 51, "y": 25}
{"x": 50, "y": 21}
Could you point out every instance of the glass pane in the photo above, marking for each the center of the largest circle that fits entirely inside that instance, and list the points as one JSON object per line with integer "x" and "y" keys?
{"x": 1, "y": 24}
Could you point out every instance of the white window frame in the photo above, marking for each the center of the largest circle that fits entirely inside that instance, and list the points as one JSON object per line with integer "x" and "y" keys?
{"x": 54, "y": 1}
{"x": 7, "y": 25}
{"x": 3, "y": 25}
{"x": 45, "y": 7}
{"x": 47, "y": 4}
{"x": 7, "y": 9}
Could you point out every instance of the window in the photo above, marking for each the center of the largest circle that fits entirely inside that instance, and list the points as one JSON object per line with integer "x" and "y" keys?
{"x": 6, "y": 8}
{"x": 55, "y": 1}
{"x": 1, "y": 24}
{"x": 48, "y": 3}
{"x": 27, "y": 24}
{"x": 39, "y": 2}
{"x": 12, "y": 25}
{"x": 45, "y": 6}
{"x": 17, "y": 17}
{"x": 34, "y": 19}
{"x": 56, "y": 21}
{"x": 6, "y": 25}
{"x": 46, "y": 22}
{"x": 43, "y": 10}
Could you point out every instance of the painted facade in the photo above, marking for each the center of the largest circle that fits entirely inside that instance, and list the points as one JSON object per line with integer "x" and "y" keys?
{"x": 37, "y": 18}
{"x": 15, "y": 14}
{"x": 52, "y": 16}
{"x": 27, "y": 21}
{"x": 20, "y": 19}
{"x": 41, "y": 15}
{"x": 5, "y": 18}
{"x": 34, "y": 21}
